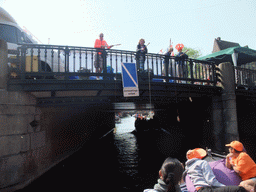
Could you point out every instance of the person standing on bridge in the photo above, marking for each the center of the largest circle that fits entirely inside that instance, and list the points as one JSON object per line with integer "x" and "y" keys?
{"x": 168, "y": 63}
{"x": 141, "y": 51}
{"x": 99, "y": 56}
{"x": 180, "y": 61}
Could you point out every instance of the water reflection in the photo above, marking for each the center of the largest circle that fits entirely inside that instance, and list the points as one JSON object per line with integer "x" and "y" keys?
{"x": 126, "y": 144}
{"x": 118, "y": 162}
{"x": 126, "y": 125}
{"x": 139, "y": 158}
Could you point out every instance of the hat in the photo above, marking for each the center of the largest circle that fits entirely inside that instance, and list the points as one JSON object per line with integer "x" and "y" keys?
{"x": 179, "y": 46}
{"x": 236, "y": 145}
{"x": 196, "y": 153}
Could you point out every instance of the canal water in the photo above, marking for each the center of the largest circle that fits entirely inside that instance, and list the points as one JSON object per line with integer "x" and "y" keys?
{"x": 119, "y": 161}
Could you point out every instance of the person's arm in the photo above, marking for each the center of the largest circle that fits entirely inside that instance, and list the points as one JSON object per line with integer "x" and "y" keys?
{"x": 243, "y": 163}
{"x": 236, "y": 169}
{"x": 177, "y": 57}
{"x": 185, "y": 56}
{"x": 138, "y": 48}
{"x": 228, "y": 164}
{"x": 146, "y": 49}
{"x": 106, "y": 45}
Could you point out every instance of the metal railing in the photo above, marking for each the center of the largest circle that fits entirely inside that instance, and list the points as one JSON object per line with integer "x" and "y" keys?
{"x": 36, "y": 61}
{"x": 245, "y": 77}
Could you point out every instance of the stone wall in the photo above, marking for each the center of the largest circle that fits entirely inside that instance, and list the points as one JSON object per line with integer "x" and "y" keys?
{"x": 19, "y": 141}
{"x": 33, "y": 139}
{"x": 27, "y": 150}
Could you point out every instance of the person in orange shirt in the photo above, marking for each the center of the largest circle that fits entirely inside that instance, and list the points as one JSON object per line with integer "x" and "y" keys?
{"x": 241, "y": 163}
{"x": 102, "y": 44}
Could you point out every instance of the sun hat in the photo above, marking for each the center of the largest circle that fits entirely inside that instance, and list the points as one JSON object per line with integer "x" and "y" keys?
{"x": 237, "y": 145}
{"x": 196, "y": 153}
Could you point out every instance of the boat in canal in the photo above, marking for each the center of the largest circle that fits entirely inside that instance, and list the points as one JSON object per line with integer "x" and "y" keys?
{"x": 117, "y": 119}
{"x": 144, "y": 123}
{"x": 223, "y": 174}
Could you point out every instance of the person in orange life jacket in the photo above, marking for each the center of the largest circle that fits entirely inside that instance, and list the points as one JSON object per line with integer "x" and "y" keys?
{"x": 241, "y": 163}
{"x": 102, "y": 44}
{"x": 141, "y": 51}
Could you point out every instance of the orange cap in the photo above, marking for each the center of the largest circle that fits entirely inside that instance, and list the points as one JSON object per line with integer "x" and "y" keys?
{"x": 236, "y": 145}
{"x": 196, "y": 153}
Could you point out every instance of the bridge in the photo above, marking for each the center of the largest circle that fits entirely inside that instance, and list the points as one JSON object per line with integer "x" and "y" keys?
{"x": 53, "y": 101}
{"x": 59, "y": 71}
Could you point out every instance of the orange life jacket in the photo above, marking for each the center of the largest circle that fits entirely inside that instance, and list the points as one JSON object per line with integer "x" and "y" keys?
{"x": 98, "y": 43}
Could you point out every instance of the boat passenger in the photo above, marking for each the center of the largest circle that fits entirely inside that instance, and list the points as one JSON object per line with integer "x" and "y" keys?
{"x": 169, "y": 176}
{"x": 241, "y": 163}
{"x": 202, "y": 175}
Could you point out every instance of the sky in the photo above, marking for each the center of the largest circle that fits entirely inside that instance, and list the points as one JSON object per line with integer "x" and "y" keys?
{"x": 194, "y": 23}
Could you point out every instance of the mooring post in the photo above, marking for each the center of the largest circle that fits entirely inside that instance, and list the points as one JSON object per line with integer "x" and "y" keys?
{"x": 227, "y": 75}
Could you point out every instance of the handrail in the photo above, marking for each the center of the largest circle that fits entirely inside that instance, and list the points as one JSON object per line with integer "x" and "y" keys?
{"x": 72, "y": 63}
{"x": 245, "y": 77}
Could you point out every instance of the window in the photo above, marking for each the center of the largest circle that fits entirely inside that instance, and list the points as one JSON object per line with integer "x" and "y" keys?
{"x": 8, "y": 33}
{"x": 20, "y": 36}
{"x": 26, "y": 38}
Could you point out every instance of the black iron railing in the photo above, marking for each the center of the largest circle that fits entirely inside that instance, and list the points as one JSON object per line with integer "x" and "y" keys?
{"x": 245, "y": 77}
{"x": 35, "y": 61}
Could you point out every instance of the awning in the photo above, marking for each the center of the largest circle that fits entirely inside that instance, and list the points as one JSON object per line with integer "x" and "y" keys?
{"x": 236, "y": 55}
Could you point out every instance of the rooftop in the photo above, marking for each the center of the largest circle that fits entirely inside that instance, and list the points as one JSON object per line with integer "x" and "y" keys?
{"x": 219, "y": 45}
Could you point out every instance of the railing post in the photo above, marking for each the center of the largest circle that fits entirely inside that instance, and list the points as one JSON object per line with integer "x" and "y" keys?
{"x": 167, "y": 62}
{"x": 104, "y": 54}
{"x": 191, "y": 71}
{"x": 23, "y": 62}
{"x": 215, "y": 77}
{"x": 39, "y": 60}
{"x": 66, "y": 62}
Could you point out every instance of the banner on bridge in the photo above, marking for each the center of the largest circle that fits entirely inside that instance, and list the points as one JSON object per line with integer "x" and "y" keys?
{"x": 130, "y": 80}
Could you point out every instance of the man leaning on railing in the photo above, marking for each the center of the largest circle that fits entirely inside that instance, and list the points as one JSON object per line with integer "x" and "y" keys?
{"x": 99, "y": 56}
{"x": 180, "y": 61}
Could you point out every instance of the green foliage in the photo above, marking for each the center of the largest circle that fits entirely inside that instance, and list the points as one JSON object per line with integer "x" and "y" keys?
{"x": 192, "y": 53}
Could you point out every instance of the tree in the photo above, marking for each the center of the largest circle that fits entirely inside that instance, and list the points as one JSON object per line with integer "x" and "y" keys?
{"x": 192, "y": 53}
